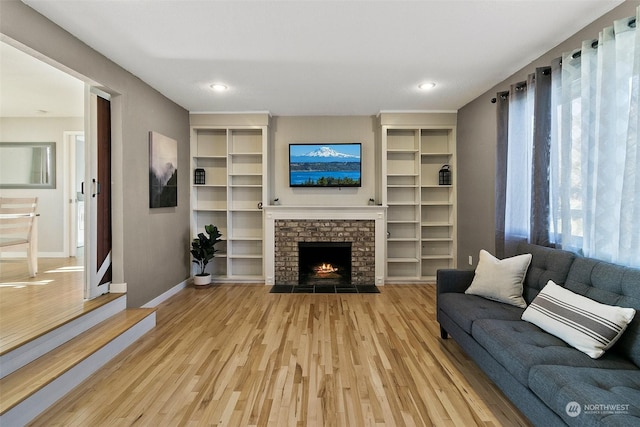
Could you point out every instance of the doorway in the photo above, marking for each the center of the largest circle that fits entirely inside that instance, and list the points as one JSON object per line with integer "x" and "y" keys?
{"x": 65, "y": 125}
{"x": 75, "y": 177}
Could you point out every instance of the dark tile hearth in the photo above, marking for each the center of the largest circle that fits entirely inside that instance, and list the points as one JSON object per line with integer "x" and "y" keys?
{"x": 324, "y": 289}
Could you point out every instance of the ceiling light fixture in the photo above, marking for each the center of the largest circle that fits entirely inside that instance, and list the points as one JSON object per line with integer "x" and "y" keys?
{"x": 218, "y": 87}
{"x": 426, "y": 86}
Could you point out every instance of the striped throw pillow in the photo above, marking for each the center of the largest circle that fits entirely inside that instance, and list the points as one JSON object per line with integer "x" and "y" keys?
{"x": 583, "y": 323}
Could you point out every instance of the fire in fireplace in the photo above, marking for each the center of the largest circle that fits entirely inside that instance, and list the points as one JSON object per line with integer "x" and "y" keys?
{"x": 324, "y": 263}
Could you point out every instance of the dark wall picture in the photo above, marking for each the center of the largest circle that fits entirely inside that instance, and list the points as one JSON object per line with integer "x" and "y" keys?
{"x": 163, "y": 171}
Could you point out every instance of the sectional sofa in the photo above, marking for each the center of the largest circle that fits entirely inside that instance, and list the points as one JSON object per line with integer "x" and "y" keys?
{"x": 551, "y": 382}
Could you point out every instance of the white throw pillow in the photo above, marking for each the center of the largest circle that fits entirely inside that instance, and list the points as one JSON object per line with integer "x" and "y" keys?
{"x": 500, "y": 279}
{"x": 583, "y": 323}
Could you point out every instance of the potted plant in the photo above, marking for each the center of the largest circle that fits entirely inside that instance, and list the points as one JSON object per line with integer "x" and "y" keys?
{"x": 203, "y": 250}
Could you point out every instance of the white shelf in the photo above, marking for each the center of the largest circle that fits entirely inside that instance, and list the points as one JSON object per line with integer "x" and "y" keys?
{"x": 246, "y": 256}
{"x": 408, "y": 203}
{"x": 436, "y": 204}
{"x": 436, "y": 154}
{"x": 421, "y": 213}
{"x": 234, "y": 159}
{"x": 403, "y": 260}
{"x": 210, "y": 157}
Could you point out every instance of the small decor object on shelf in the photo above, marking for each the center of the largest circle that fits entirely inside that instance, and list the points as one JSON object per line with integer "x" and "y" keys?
{"x": 444, "y": 176}
{"x": 203, "y": 250}
{"x": 199, "y": 176}
{"x": 372, "y": 202}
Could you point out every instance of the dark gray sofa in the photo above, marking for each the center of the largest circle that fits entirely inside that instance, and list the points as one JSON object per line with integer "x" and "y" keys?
{"x": 541, "y": 374}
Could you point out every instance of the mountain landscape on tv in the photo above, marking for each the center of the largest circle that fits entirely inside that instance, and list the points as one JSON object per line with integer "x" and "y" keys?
{"x": 324, "y": 154}
{"x": 324, "y": 166}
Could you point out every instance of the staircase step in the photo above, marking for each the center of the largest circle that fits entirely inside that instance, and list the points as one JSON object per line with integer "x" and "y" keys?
{"x": 31, "y": 389}
{"x": 22, "y": 349}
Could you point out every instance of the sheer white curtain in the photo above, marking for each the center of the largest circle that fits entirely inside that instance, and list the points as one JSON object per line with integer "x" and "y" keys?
{"x": 517, "y": 222}
{"x": 595, "y": 158}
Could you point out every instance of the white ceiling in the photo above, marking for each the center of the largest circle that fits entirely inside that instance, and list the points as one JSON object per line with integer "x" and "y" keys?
{"x": 307, "y": 57}
{"x": 31, "y": 88}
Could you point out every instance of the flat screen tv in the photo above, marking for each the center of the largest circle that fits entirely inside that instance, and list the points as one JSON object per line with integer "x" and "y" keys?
{"x": 325, "y": 165}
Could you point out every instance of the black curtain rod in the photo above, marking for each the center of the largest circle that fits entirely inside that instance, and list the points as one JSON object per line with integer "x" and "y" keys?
{"x": 547, "y": 70}
{"x": 594, "y": 44}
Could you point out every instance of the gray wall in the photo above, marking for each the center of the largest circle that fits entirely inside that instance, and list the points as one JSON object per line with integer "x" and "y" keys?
{"x": 477, "y": 147}
{"x": 318, "y": 129}
{"x": 150, "y": 246}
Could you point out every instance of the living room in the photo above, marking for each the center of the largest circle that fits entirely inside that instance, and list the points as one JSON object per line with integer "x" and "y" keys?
{"x": 163, "y": 234}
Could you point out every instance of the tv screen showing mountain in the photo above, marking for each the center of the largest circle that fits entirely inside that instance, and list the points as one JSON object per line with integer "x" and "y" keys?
{"x": 325, "y": 165}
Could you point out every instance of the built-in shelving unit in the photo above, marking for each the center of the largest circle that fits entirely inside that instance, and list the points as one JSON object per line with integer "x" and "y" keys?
{"x": 234, "y": 160}
{"x": 421, "y": 229}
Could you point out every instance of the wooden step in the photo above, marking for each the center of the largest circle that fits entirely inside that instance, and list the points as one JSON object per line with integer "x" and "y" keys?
{"x": 31, "y": 389}
{"x": 22, "y": 344}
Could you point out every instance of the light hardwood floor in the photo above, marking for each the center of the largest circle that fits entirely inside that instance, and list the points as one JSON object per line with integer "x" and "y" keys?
{"x": 236, "y": 355}
{"x": 31, "y": 306}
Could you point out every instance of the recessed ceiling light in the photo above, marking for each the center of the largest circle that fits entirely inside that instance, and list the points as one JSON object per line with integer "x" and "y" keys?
{"x": 218, "y": 87}
{"x": 426, "y": 86}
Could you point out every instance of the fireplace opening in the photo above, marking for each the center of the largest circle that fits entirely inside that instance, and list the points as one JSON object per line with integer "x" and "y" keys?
{"x": 324, "y": 263}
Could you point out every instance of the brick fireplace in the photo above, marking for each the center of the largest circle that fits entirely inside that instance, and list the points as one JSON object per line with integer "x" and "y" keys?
{"x": 363, "y": 227}
{"x": 289, "y": 233}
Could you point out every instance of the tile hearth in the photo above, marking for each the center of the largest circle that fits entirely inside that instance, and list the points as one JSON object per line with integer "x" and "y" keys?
{"x": 324, "y": 289}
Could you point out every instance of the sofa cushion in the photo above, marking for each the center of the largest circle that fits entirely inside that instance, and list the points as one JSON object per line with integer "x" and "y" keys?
{"x": 614, "y": 285}
{"x": 465, "y": 309}
{"x": 518, "y": 346}
{"x": 500, "y": 279}
{"x": 546, "y": 264}
{"x": 583, "y": 323}
{"x": 592, "y": 390}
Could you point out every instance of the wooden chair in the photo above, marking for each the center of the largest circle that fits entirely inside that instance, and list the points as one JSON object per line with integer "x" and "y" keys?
{"x": 18, "y": 227}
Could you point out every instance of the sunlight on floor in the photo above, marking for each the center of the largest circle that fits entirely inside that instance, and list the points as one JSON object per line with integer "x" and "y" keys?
{"x": 24, "y": 284}
{"x": 70, "y": 269}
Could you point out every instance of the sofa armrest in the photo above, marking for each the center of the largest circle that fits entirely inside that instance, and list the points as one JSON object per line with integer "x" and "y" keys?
{"x": 453, "y": 280}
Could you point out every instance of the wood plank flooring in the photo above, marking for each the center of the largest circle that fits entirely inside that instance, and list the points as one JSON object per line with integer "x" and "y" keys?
{"x": 236, "y": 355}
{"x": 31, "y": 306}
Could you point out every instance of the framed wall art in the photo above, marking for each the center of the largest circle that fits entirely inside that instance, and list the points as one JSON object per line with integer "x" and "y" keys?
{"x": 163, "y": 171}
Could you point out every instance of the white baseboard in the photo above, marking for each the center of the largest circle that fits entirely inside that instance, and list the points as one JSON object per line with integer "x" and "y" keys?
{"x": 118, "y": 288}
{"x": 165, "y": 296}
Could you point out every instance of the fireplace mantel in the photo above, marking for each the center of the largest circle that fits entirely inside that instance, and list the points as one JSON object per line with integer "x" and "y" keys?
{"x": 374, "y": 213}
